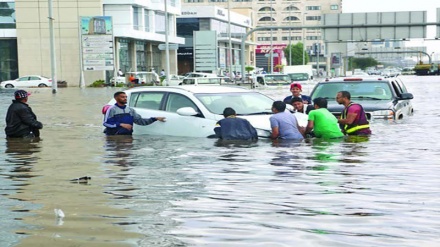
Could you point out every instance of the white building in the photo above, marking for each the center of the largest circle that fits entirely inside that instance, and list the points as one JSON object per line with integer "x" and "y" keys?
{"x": 215, "y": 19}
{"x": 138, "y": 29}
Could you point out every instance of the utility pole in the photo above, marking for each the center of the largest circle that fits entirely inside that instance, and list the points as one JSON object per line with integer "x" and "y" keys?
{"x": 271, "y": 39}
{"x": 53, "y": 61}
{"x": 167, "y": 46}
{"x": 318, "y": 50}
{"x": 230, "y": 43}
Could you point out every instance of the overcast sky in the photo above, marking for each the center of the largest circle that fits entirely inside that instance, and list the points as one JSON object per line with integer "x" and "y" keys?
{"x": 389, "y": 5}
{"x": 352, "y": 6}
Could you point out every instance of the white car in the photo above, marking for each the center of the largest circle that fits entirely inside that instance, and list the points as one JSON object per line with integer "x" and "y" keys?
{"x": 27, "y": 81}
{"x": 194, "y": 110}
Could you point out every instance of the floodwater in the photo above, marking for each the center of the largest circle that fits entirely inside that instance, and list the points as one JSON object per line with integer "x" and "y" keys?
{"x": 169, "y": 191}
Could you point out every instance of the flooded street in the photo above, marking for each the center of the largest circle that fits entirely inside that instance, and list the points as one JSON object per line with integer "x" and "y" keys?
{"x": 174, "y": 191}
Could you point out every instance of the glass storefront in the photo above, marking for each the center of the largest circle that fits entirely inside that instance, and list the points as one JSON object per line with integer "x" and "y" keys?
{"x": 140, "y": 56}
{"x": 8, "y": 59}
{"x": 124, "y": 56}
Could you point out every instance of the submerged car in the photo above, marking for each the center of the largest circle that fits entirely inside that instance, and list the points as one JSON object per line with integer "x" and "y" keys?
{"x": 27, "y": 81}
{"x": 381, "y": 98}
{"x": 194, "y": 110}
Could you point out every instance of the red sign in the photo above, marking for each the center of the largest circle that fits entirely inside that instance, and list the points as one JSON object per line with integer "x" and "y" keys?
{"x": 277, "y": 48}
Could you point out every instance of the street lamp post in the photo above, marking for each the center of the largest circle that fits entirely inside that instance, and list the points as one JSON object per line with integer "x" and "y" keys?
{"x": 53, "y": 61}
{"x": 290, "y": 35}
{"x": 167, "y": 47}
{"x": 230, "y": 42}
{"x": 271, "y": 39}
{"x": 303, "y": 38}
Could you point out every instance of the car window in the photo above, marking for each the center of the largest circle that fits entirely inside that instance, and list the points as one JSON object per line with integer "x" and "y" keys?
{"x": 189, "y": 81}
{"x": 177, "y": 101}
{"x": 150, "y": 100}
{"x": 277, "y": 79}
{"x": 34, "y": 78}
{"x": 378, "y": 90}
{"x": 397, "y": 88}
{"x": 299, "y": 76}
{"x": 24, "y": 78}
{"x": 402, "y": 86}
{"x": 242, "y": 103}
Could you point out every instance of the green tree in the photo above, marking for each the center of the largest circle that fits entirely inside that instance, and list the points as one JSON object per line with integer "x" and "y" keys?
{"x": 362, "y": 62}
{"x": 297, "y": 54}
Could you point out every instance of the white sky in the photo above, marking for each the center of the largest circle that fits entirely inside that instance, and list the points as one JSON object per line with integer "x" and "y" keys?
{"x": 352, "y": 6}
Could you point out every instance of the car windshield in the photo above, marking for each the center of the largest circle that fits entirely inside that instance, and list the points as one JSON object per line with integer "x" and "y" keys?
{"x": 277, "y": 79}
{"x": 376, "y": 90}
{"x": 299, "y": 76}
{"x": 243, "y": 103}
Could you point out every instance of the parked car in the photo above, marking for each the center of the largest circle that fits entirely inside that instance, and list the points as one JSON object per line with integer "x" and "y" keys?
{"x": 408, "y": 71}
{"x": 272, "y": 80}
{"x": 390, "y": 72}
{"x": 199, "y": 74}
{"x": 194, "y": 110}
{"x": 175, "y": 80}
{"x": 203, "y": 81}
{"x": 381, "y": 98}
{"x": 27, "y": 81}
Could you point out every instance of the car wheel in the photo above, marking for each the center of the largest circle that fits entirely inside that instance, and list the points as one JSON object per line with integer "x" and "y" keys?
{"x": 9, "y": 86}
{"x": 42, "y": 85}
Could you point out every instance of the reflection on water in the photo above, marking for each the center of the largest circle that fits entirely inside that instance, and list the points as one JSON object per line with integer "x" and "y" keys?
{"x": 170, "y": 191}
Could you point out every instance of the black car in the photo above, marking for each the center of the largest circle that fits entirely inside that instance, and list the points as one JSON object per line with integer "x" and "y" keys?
{"x": 381, "y": 98}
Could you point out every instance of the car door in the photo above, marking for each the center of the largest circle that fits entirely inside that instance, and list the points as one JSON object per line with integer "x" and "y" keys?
{"x": 34, "y": 81}
{"x": 162, "y": 104}
{"x": 147, "y": 104}
{"x": 22, "y": 82}
{"x": 178, "y": 125}
{"x": 400, "y": 106}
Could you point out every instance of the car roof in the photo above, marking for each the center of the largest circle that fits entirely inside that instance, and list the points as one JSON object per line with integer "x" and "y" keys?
{"x": 356, "y": 79}
{"x": 192, "y": 89}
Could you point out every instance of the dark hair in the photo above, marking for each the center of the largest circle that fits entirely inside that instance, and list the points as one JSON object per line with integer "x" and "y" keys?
{"x": 296, "y": 99}
{"x": 320, "y": 102}
{"x": 279, "y": 105}
{"x": 118, "y": 93}
{"x": 345, "y": 94}
{"x": 228, "y": 111}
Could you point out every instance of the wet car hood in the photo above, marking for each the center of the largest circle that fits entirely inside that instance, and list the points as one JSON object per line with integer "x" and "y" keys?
{"x": 368, "y": 105}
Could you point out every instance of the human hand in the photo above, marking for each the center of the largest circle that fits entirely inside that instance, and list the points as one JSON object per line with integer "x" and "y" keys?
{"x": 126, "y": 126}
{"x": 162, "y": 119}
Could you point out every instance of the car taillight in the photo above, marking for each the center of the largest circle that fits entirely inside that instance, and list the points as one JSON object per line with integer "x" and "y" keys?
{"x": 50, "y": 80}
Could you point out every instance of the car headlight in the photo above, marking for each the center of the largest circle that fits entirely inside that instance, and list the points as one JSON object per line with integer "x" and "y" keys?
{"x": 386, "y": 114}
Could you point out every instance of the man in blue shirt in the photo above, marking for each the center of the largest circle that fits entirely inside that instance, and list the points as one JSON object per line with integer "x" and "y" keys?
{"x": 119, "y": 118}
{"x": 284, "y": 124}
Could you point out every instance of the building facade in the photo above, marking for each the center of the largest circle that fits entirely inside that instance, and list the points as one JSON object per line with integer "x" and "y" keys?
{"x": 138, "y": 30}
{"x": 215, "y": 19}
{"x": 294, "y": 13}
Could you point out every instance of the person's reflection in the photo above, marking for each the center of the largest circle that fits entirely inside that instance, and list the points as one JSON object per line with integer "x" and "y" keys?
{"x": 22, "y": 154}
{"x": 235, "y": 147}
{"x": 287, "y": 158}
{"x": 119, "y": 149}
{"x": 21, "y": 151}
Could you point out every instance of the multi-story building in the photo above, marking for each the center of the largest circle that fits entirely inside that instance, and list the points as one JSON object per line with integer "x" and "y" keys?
{"x": 217, "y": 21}
{"x": 138, "y": 28}
{"x": 295, "y": 13}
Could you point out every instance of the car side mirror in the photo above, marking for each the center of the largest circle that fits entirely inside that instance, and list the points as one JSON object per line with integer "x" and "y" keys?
{"x": 187, "y": 111}
{"x": 406, "y": 96}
